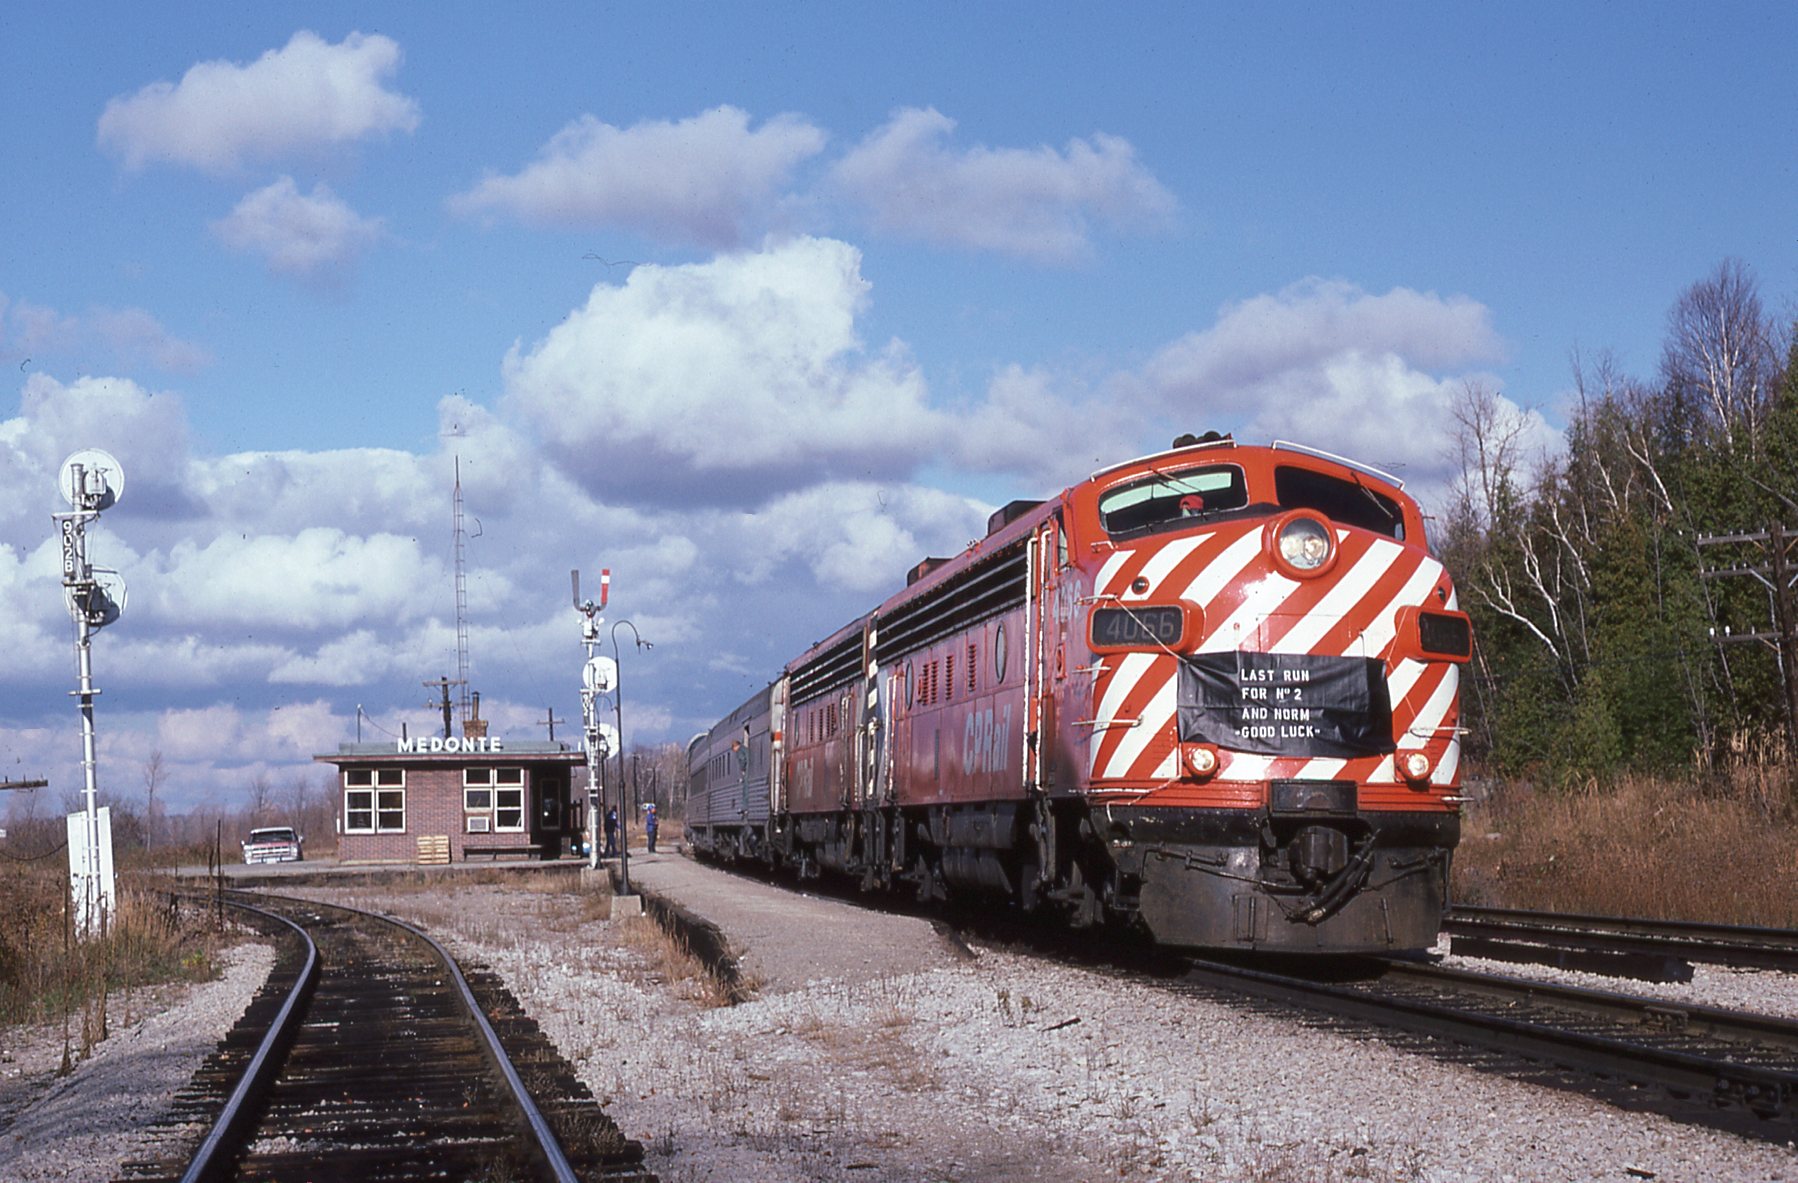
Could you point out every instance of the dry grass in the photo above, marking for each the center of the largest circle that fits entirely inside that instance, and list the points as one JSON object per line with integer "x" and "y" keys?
{"x": 664, "y": 958}
{"x": 1724, "y": 850}
{"x": 47, "y": 974}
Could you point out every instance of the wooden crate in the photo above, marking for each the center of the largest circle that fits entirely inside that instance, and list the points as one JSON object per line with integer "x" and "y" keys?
{"x": 433, "y": 848}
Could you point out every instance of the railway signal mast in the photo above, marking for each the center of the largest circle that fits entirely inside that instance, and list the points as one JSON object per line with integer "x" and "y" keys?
{"x": 598, "y": 676}
{"x": 91, "y": 481}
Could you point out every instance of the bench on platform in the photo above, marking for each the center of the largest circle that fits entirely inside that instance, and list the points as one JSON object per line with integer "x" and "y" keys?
{"x": 531, "y": 849}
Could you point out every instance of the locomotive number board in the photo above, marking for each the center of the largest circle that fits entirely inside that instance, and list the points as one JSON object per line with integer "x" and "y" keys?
{"x": 1138, "y": 628}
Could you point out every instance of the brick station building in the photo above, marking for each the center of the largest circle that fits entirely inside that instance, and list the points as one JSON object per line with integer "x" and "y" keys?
{"x": 420, "y": 800}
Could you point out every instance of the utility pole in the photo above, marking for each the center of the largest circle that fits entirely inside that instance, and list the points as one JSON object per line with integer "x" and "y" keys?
{"x": 549, "y": 717}
{"x": 444, "y": 684}
{"x": 1768, "y": 558}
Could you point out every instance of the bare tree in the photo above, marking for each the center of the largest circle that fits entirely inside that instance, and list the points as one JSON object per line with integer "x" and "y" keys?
{"x": 1529, "y": 569}
{"x": 262, "y": 797}
{"x": 1721, "y": 354}
{"x": 155, "y": 772}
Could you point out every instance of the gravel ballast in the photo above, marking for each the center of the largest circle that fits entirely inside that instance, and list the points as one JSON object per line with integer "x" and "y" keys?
{"x": 872, "y": 1051}
{"x": 1012, "y": 1067}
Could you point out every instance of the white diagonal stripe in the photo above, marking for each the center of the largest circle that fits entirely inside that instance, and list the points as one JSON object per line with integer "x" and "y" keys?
{"x": 1109, "y": 571}
{"x": 1264, "y": 595}
{"x": 1342, "y": 596}
{"x": 1223, "y": 570}
{"x": 1322, "y": 768}
{"x": 1433, "y": 711}
{"x": 1129, "y": 672}
{"x": 1246, "y": 767}
{"x": 1157, "y": 715}
{"x": 1169, "y": 557}
{"x": 1416, "y": 590}
{"x": 1448, "y": 765}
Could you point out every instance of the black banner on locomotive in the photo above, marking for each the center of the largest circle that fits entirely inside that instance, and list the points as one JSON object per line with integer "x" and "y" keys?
{"x": 1286, "y": 704}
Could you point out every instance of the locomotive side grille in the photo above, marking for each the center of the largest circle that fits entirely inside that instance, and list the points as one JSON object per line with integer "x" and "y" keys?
{"x": 987, "y": 590}
{"x": 835, "y": 666}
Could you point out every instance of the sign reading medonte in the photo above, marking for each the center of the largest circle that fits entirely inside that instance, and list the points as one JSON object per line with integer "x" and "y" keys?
{"x": 452, "y": 745}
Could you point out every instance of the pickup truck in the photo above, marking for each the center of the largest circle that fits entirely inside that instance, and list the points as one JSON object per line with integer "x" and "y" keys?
{"x": 275, "y": 844}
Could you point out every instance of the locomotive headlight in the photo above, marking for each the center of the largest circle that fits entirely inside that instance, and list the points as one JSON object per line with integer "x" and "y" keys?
{"x": 1416, "y": 767}
{"x": 1202, "y": 760}
{"x": 1303, "y": 544}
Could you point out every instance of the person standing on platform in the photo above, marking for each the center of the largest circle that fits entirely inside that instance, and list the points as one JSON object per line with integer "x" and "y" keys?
{"x": 612, "y": 832}
{"x": 649, "y": 825}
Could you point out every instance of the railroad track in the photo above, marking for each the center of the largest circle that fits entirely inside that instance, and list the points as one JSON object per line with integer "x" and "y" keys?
{"x": 1514, "y": 934}
{"x": 370, "y": 1056}
{"x": 1727, "y": 1069}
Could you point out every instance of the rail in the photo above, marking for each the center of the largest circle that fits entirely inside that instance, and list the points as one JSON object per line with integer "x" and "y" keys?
{"x": 380, "y": 1059}
{"x": 1734, "y": 945}
{"x": 1728, "y": 1069}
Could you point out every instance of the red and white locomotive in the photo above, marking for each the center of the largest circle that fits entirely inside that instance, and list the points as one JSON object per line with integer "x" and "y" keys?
{"x": 1211, "y": 693}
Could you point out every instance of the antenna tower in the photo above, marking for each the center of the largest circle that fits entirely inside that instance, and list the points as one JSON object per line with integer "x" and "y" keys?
{"x": 461, "y": 599}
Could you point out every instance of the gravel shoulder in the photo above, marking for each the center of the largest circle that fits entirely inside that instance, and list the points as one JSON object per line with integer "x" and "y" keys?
{"x": 83, "y": 1127}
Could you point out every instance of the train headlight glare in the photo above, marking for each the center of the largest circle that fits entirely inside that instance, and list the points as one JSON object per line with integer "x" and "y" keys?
{"x": 1305, "y": 543}
{"x": 1416, "y": 766}
{"x": 1302, "y": 543}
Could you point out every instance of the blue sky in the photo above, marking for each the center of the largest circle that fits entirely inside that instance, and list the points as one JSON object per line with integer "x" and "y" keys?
{"x": 756, "y": 305}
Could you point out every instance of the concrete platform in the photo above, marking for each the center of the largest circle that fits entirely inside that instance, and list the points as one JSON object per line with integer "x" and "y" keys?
{"x": 782, "y": 939}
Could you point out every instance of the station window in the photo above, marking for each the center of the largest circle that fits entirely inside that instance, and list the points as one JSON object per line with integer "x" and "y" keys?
{"x": 496, "y": 790}
{"x": 374, "y": 801}
{"x": 508, "y": 807}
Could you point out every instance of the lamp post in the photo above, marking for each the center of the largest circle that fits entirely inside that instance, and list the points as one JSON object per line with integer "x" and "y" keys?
{"x": 624, "y": 807}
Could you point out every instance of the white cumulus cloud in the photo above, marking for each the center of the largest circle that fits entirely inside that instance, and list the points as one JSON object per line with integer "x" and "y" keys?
{"x": 307, "y": 95}
{"x": 318, "y": 578}
{"x": 1038, "y": 203}
{"x": 307, "y": 236}
{"x": 1325, "y": 363}
{"x": 710, "y": 179}
{"x": 722, "y": 383}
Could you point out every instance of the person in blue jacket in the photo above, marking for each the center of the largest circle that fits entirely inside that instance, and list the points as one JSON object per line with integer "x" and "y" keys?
{"x": 649, "y": 825}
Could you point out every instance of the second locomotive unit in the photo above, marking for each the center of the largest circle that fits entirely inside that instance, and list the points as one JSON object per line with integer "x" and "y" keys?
{"x": 1210, "y": 694}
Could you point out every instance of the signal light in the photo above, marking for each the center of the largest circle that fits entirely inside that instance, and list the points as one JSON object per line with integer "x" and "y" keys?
{"x": 1416, "y": 767}
{"x": 1202, "y": 760}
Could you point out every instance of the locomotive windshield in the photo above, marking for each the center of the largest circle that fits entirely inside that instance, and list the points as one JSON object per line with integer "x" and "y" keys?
{"x": 1167, "y": 499}
{"x": 1347, "y": 502}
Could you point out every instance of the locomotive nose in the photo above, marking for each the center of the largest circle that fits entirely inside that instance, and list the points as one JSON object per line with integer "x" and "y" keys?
{"x": 1316, "y": 853}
